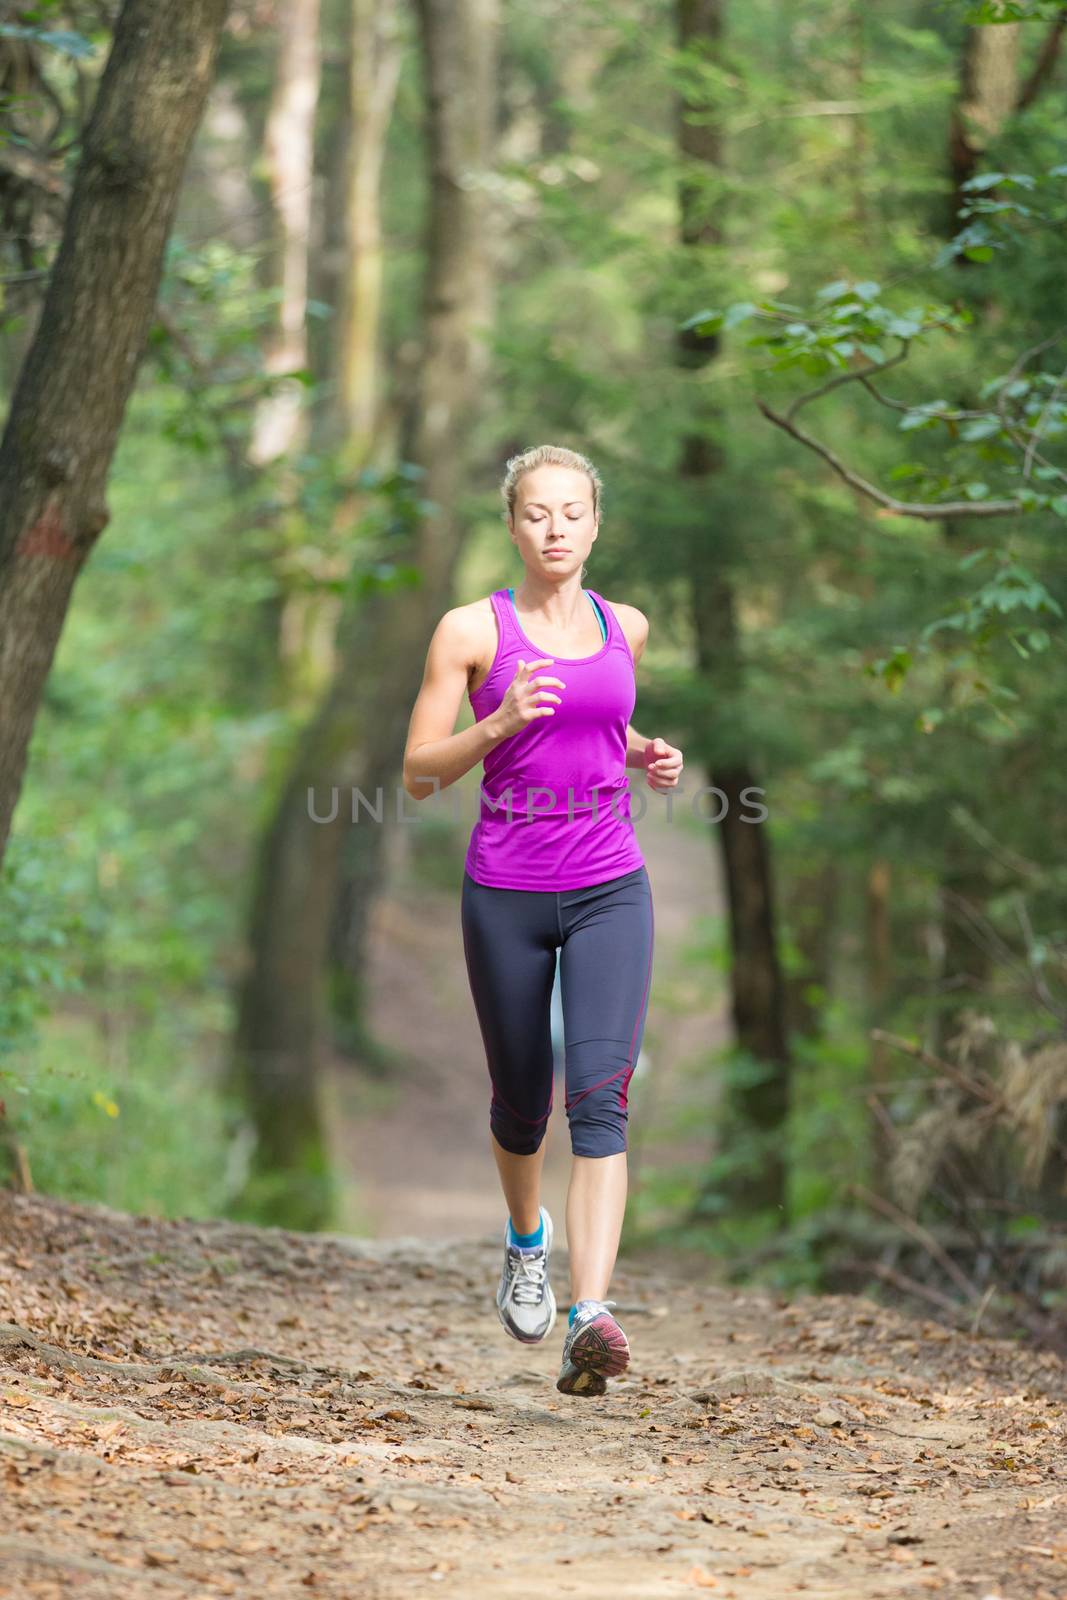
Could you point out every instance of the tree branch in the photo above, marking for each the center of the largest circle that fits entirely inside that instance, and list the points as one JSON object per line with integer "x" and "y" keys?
{"x": 932, "y": 511}
{"x": 1043, "y": 66}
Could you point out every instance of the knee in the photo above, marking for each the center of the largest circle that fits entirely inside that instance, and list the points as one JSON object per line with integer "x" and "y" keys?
{"x": 598, "y": 1119}
{"x": 517, "y": 1135}
{"x": 598, "y": 1078}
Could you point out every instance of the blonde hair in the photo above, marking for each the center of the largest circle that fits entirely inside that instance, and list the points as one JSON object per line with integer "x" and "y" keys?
{"x": 547, "y": 455}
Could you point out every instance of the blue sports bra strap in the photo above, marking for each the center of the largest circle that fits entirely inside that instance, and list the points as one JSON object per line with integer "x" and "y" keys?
{"x": 599, "y": 614}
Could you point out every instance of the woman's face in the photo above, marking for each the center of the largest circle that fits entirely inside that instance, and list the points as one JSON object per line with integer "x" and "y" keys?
{"x": 553, "y": 525}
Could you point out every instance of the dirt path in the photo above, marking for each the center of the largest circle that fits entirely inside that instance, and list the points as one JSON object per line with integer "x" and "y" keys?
{"x": 201, "y": 1408}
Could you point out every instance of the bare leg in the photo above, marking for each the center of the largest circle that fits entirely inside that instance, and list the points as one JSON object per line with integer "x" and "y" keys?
{"x": 596, "y": 1201}
{"x": 520, "y": 1179}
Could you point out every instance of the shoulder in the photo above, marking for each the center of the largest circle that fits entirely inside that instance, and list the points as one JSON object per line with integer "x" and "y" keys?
{"x": 633, "y": 623}
{"x": 466, "y": 633}
{"x": 468, "y": 622}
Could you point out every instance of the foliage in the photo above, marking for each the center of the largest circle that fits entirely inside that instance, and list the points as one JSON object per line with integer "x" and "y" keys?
{"x": 126, "y": 1114}
{"x": 900, "y": 680}
{"x": 35, "y": 939}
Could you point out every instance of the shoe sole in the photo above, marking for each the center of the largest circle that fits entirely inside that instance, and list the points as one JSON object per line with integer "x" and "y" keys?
{"x": 599, "y": 1351}
{"x": 538, "y": 1338}
{"x": 577, "y": 1380}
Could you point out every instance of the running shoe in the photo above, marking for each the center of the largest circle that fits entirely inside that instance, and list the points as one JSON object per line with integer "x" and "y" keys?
{"x": 594, "y": 1350}
{"x": 524, "y": 1299}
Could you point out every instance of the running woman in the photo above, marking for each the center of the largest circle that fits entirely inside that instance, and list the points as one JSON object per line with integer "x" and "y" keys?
{"x": 553, "y": 863}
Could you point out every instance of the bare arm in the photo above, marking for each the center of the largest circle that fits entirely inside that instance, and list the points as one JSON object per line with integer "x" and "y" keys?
{"x": 634, "y": 624}
{"x": 663, "y": 762}
{"x": 635, "y": 747}
{"x": 433, "y": 751}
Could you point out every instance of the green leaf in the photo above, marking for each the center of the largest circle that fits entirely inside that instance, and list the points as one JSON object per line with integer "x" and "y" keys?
{"x": 980, "y": 428}
{"x": 923, "y": 416}
{"x": 702, "y": 322}
{"x": 301, "y": 375}
{"x": 895, "y": 670}
{"x": 903, "y": 327}
{"x": 739, "y": 312}
{"x": 979, "y": 252}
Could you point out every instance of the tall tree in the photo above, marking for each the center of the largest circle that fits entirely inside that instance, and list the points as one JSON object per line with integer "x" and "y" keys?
{"x": 288, "y": 150}
{"x": 358, "y": 420}
{"x": 76, "y": 380}
{"x": 356, "y": 738}
{"x": 374, "y": 58}
{"x": 759, "y": 1106}
{"x": 988, "y": 94}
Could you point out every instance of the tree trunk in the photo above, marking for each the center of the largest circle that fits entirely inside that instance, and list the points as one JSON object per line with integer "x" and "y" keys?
{"x": 989, "y": 93}
{"x": 219, "y": 195}
{"x": 859, "y": 154}
{"x": 80, "y": 369}
{"x": 305, "y": 619}
{"x": 289, "y": 155}
{"x": 374, "y": 70}
{"x": 760, "y": 1106}
{"x": 357, "y": 737}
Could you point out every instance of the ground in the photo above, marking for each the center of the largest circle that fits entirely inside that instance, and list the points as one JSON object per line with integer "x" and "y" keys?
{"x": 201, "y": 1408}
{"x": 205, "y": 1408}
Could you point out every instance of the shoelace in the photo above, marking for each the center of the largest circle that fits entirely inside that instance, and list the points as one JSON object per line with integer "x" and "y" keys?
{"x": 529, "y": 1282}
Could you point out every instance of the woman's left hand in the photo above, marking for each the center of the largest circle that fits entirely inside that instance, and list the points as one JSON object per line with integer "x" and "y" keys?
{"x": 664, "y": 764}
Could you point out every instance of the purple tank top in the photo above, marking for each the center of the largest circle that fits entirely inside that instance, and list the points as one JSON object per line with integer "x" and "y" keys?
{"x": 568, "y": 824}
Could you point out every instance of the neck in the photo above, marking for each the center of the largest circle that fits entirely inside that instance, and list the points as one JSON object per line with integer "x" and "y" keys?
{"x": 559, "y": 603}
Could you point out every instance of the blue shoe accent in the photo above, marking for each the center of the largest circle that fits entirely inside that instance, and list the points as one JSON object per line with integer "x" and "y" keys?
{"x": 573, "y": 1314}
{"x": 526, "y": 1241}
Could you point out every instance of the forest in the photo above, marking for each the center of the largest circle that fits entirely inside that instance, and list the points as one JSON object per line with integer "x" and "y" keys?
{"x": 792, "y": 277}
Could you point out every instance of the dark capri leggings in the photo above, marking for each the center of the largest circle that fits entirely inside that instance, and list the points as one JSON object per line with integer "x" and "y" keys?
{"x": 510, "y": 939}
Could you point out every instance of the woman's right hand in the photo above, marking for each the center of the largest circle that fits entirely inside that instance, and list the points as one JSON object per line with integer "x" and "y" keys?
{"x": 523, "y": 700}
